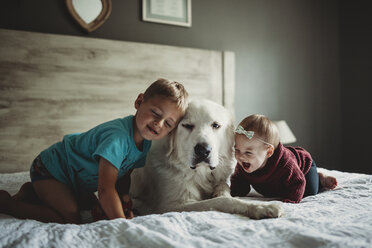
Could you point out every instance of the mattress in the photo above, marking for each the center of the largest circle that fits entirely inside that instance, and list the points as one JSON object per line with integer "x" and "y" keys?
{"x": 337, "y": 218}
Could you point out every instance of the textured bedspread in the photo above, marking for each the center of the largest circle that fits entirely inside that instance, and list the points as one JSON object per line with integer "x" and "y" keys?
{"x": 339, "y": 218}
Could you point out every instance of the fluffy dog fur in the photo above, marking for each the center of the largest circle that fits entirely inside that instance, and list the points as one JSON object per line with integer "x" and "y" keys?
{"x": 189, "y": 170}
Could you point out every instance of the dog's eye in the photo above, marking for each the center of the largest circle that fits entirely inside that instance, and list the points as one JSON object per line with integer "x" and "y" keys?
{"x": 215, "y": 125}
{"x": 188, "y": 126}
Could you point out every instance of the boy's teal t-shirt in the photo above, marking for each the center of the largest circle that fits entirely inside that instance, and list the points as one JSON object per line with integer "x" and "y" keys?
{"x": 74, "y": 160}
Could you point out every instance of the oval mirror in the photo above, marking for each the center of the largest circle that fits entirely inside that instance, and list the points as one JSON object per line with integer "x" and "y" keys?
{"x": 89, "y": 14}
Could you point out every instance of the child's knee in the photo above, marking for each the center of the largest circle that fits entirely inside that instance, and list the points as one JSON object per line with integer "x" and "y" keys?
{"x": 5, "y": 200}
{"x": 311, "y": 190}
{"x": 312, "y": 187}
{"x": 71, "y": 217}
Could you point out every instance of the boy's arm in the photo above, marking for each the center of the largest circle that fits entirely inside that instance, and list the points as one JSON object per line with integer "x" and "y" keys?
{"x": 122, "y": 187}
{"x": 107, "y": 194}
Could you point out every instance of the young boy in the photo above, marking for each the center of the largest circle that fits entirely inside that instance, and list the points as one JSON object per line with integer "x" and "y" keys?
{"x": 272, "y": 169}
{"x": 83, "y": 163}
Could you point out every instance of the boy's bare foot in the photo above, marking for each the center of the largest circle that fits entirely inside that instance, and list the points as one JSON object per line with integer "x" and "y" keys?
{"x": 5, "y": 199}
{"x": 26, "y": 193}
{"x": 327, "y": 182}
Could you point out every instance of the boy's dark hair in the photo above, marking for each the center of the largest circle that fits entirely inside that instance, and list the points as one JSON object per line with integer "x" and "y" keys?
{"x": 170, "y": 89}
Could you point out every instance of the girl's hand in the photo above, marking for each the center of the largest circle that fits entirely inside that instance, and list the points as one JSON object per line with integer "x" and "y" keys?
{"x": 126, "y": 201}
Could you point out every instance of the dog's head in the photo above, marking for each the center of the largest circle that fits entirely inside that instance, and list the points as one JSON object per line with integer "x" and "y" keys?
{"x": 205, "y": 136}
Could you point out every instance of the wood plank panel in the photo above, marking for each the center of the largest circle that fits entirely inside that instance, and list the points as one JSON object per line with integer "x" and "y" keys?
{"x": 52, "y": 85}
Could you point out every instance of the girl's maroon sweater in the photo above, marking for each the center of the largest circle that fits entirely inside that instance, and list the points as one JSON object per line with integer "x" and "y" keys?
{"x": 283, "y": 175}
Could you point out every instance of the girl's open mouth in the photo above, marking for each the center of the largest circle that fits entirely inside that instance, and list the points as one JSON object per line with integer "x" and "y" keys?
{"x": 246, "y": 165}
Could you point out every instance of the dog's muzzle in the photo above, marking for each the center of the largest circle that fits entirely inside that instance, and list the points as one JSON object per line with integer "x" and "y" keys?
{"x": 201, "y": 154}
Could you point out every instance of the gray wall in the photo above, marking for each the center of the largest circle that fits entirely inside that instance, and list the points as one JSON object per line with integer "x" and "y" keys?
{"x": 287, "y": 55}
{"x": 356, "y": 78}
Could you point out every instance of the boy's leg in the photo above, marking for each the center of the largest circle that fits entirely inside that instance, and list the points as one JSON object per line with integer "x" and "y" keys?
{"x": 27, "y": 194}
{"x": 59, "y": 197}
{"x": 327, "y": 182}
{"x": 312, "y": 181}
{"x": 87, "y": 201}
{"x": 123, "y": 184}
{"x": 25, "y": 210}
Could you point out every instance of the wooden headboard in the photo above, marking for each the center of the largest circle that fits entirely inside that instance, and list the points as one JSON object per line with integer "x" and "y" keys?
{"x": 52, "y": 85}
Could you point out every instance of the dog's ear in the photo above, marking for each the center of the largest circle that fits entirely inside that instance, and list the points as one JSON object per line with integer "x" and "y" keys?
{"x": 170, "y": 141}
{"x": 230, "y": 137}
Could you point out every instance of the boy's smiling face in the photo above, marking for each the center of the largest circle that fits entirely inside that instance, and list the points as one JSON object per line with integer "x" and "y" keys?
{"x": 251, "y": 154}
{"x": 155, "y": 117}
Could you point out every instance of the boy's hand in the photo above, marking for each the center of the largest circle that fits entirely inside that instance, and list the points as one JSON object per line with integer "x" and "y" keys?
{"x": 98, "y": 213}
{"x": 126, "y": 201}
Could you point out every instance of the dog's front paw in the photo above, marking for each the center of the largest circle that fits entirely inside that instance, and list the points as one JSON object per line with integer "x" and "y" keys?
{"x": 262, "y": 211}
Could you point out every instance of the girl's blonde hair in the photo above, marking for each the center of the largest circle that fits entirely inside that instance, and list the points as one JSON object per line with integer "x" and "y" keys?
{"x": 172, "y": 90}
{"x": 263, "y": 127}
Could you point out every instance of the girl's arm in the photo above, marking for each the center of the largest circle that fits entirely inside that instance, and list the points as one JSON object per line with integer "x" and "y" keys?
{"x": 239, "y": 185}
{"x": 107, "y": 194}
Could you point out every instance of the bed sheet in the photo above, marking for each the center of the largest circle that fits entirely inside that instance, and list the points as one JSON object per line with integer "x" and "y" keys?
{"x": 338, "y": 218}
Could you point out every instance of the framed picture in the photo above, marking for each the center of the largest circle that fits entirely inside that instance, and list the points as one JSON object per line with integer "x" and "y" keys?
{"x": 173, "y": 12}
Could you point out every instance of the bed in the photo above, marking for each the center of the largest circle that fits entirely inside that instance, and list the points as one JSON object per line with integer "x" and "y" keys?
{"x": 51, "y": 85}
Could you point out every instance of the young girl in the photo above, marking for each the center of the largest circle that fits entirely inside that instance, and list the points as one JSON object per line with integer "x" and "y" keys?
{"x": 95, "y": 160}
{"x": 272, "y": 169}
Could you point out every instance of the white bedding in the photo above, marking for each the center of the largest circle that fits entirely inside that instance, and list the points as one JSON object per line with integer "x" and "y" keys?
{"x": 339, "y": 218}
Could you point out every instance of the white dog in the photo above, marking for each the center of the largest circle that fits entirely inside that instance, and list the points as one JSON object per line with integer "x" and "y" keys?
{"x": 189, "y": 170}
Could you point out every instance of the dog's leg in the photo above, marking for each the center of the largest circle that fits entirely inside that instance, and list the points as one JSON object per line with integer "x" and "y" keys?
{"x": 222, "y": 189}
{"x": 141, "y": 208}
{"x": 233, "y": 206}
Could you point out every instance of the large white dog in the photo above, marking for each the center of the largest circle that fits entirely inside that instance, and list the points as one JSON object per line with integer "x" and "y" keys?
{"x": 189, "y": 170}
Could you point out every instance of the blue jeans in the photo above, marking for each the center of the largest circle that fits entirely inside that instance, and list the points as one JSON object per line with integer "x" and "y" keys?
{"x": 312, "y": 181}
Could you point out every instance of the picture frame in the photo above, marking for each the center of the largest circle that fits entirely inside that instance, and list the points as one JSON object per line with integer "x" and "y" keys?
{"x": 89, "y": 14}
{"x": 172, "y": 12}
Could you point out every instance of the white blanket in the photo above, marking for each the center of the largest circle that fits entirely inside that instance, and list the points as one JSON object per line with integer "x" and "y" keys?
{"x": 338, "y": 218}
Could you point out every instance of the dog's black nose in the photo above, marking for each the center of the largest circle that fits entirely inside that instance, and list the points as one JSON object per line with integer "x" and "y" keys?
{"x": 202, "y": 150}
